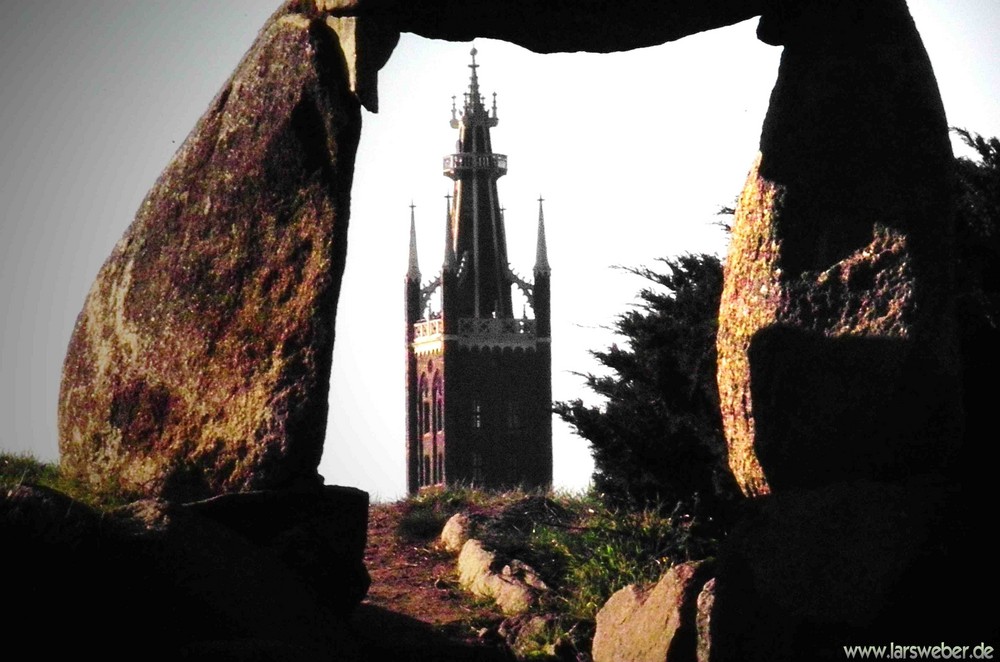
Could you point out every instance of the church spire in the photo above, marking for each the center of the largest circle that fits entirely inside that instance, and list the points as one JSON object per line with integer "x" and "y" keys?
{"x": 413, "y": 271}
{"x": 541, "y": 250}
{"x": 449, "y": 248}
{"x": 477, "y": 234}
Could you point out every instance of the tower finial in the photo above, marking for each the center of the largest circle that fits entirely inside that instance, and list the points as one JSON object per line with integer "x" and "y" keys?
{"x": 474, "y": 110}
{"x": 413, "y": 271}
{"x": 474, "y": 99}
{"x": 541, "y": 250}
{"x": 449, "y": 249}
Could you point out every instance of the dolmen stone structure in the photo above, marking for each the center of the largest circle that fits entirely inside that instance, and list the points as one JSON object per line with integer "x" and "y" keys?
{"x": 199, "y": 365}
{"x": 839, "y": 373}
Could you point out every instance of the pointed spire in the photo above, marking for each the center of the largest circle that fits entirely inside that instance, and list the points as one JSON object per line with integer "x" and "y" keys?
{"x": 449, "y": 249}
{"x": 413, "y": 272}
{"x": 541, "y": 251}
{"x": 474, "y": 98}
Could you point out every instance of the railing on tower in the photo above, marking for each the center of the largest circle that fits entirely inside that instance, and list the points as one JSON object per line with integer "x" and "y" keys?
{"x": 428, "y": 328}
{"x": 466, "y": 162}
{"x": 471, "y": 326}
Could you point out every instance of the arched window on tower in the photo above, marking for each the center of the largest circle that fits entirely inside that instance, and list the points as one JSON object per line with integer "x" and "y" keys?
{"x": 426, "y": 403}
{"x": 438, "y": 396}
{"x": 423, "y": 408}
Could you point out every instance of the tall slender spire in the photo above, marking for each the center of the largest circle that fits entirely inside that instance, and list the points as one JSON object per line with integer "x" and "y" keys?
{"x": 541, "y": 250}
{"x": 449, "y": 248}
{"x": 413, "y": 271}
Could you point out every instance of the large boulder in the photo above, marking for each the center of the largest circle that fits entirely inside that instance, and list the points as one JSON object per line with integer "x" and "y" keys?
{"x": 319, "y": 535}
{"x": 203, "y": 581}
{"x": 805, "y": 573}
{"x": 652, "y": 625}
{"x": 200, "y": 362}
{"x": 837, "y": 348}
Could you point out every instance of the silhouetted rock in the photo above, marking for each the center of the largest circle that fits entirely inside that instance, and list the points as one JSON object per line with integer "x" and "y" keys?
{"x": 200, "y": 362}
{"x": 652, "y": 625}
{"x": 807, "y": 572}
{"x": 168, "y": 574}
{"x": 837, "y": 351}
{"x": 319, "y": 535}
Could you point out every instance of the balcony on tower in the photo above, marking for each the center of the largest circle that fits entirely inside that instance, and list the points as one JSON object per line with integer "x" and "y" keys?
{"x": 457, "y": 164}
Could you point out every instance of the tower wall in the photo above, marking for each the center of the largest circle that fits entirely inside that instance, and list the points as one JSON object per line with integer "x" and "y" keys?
{"x": 498, "y": 403}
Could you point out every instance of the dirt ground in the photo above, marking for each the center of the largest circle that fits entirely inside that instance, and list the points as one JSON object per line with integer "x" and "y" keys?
{"x": 414, "y": 609}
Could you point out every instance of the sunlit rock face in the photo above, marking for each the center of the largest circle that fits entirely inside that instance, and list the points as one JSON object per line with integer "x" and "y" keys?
{"x": 837, "y": 352}
{"x": 200, "y": 362}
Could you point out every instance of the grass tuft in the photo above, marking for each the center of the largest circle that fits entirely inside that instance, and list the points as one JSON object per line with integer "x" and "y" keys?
{"x": 23, "y": 469}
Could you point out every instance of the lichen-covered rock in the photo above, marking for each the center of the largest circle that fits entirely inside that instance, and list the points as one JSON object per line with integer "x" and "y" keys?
{"x": 653, "y": 625}
{"x": 837, "y": 352}
{"x": 703, "y": 621}
{"x": 457, "y": 530}
{"x": 515, "y": 588}
{"x": 200, "y": 362}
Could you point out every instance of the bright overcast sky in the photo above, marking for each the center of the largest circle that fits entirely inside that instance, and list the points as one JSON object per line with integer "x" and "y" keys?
{"x": 633, "y": 152}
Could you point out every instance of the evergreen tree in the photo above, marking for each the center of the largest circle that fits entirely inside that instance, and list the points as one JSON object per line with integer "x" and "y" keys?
{"x": 658, "y": 437}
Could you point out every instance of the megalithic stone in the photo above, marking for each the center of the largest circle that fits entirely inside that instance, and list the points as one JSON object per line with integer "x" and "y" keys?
{"x": 837, "y": 348}
{"x": 200, "y": 362}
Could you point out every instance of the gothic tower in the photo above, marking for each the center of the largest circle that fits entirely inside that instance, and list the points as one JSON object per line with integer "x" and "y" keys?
{"x": 478, "y": 378}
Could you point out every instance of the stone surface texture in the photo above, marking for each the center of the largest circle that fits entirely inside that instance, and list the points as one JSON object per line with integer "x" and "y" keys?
{"x": 653, "y": 625}
{"x": 515, "y": 588}
{"x": 456, "y": 532}
{"x": 200, "y": 362}
{"x": 837, "y": 349}
{"x": 703, "y": 621}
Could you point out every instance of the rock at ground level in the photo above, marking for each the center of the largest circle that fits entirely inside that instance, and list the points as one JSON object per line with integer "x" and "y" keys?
{"x": 529, "y": 636}
{"x": 200, "y": 362}
{"x": 653, "y": 625}
{"x": 806, "y": 573}
{"x": 181, "y": 579}
{"x": 319, "y": 535}
{"x": 457, "y": 530}
{"x": 509, "y": 588}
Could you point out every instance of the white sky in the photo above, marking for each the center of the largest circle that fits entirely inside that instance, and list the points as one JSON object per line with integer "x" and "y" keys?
{"x": 634, "y": 153}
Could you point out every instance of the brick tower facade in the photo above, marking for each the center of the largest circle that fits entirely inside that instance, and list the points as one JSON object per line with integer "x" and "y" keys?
{"x": 478, "y": 378}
